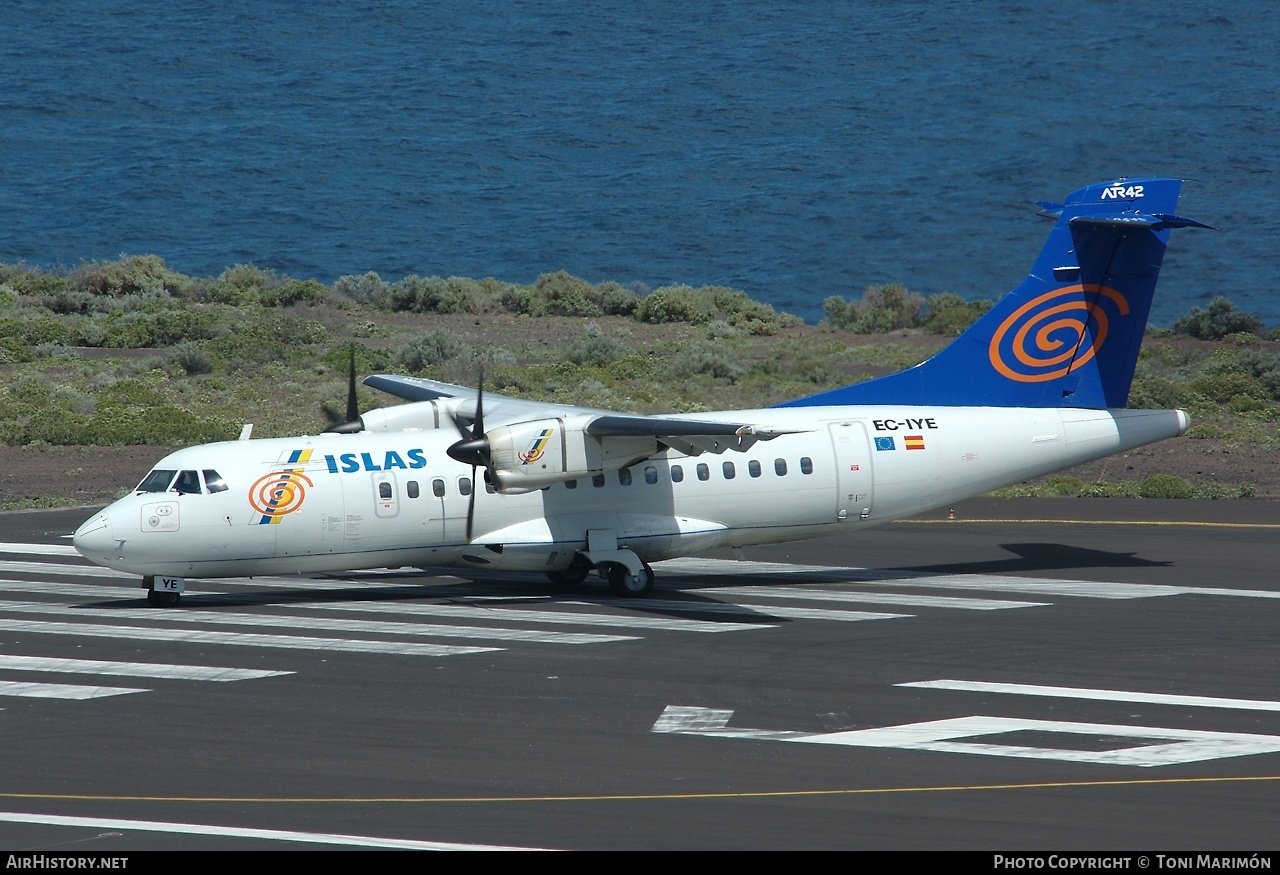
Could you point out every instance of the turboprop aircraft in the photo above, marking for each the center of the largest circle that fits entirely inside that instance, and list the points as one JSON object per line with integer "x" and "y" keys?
{"x": 454, "y": 478}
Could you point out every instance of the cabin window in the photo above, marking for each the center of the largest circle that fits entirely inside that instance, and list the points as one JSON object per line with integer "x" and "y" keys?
{"x": 411, "y": 488}
{"x": 464, "y": 485}
{"x": 780, "y": 467}
{"x": 188, "y": 483}
{"x": 437, "y": 488}
{"x": 728, "y": 470}
{"x": 677, "y": 473}
{"x": 571, "y": 484}
{"x": 650, "y": 474}
{"x": 704, "y": 473}
{"x": 213, "y": 481}
{"x": 806, "y": 465}
{"x": 753, "y": 468}
{"x": 384, "y": 490}
{"x": 157, "y": 481}
{"x": 597, "y": 480}
{"x": 624, "y": 476}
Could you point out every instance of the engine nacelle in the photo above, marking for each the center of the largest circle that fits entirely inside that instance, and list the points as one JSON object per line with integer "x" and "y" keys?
{"x": 530, "y": 455}
{"x": 415, "y": 415}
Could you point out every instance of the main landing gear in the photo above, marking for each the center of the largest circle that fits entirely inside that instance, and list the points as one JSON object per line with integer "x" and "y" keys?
{"x": 623, "y": 581}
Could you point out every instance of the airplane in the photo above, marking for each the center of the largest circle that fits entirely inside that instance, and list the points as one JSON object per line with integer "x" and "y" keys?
{"x": 457, "y": 478}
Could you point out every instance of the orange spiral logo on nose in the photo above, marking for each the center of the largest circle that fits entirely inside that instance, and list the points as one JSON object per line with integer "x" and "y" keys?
{"x": 279, "y": 493}
{"x": 1053, "y": 334}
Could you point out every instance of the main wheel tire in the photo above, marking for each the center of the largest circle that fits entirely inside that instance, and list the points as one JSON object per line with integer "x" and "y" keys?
{"x": 163, "y": 599}
{"x": 624, "y": 583}
{"x": 577, "y": 572}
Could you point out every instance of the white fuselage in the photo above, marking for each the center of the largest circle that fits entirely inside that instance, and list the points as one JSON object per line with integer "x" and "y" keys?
{"x": 369, "y": 500}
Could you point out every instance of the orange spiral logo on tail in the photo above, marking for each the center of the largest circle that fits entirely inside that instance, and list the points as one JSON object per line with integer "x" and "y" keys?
{"x": 1055, "y": 333}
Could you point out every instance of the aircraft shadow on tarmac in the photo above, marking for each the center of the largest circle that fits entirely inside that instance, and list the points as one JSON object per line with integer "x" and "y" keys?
{"x": 1040, "y": 557}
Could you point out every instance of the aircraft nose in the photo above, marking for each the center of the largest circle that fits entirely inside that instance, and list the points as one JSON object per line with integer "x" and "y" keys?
{"x": 95, "y": 539}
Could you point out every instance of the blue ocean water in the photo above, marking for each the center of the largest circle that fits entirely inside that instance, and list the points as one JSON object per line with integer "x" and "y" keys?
{"x": 794, "y": 150}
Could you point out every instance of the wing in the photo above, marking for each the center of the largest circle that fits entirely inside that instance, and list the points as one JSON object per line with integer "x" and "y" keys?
{"x": 535, "y": 443}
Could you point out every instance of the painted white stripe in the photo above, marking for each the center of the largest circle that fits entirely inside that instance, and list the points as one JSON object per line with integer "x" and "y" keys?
{"x": 1154, "y": 745}
{"x": 551, "y": 617}
{"x": 61, "y": 691}
{"x": 276, "y": 835}
{"x": 135, "y": 669}
{"x": 1044, "y": 587}
{"x": 237, "y": 639}
{"x": 947, "y": 736}
{"x": 64, "y": 568}
{"x": 286, "y": 621}
{"x": 882, "y": 598}
{"x": 40, "y": 549}
{"x": 1099, "y": 695}
{"x": 737, "y": 568}
{"x": 85, "y": 590}
{"x": 762, "y": 611}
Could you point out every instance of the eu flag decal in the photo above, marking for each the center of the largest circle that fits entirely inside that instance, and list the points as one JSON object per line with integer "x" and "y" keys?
{"x": 885, "y": 443}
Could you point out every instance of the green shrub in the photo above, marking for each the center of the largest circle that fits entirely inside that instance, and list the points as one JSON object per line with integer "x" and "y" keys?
{"x": 882, "y": 309}
{"x": 1165, "y": 486}
{"x": 308, "y": 292}
{"x": 368, "y": 289}
{"x": 131, "y": 275}
{"x": 432, "y": 348}
{"x": 1218, "y": 320}
{"x": 191, "y": 358}
{"x": 950, "y": 315}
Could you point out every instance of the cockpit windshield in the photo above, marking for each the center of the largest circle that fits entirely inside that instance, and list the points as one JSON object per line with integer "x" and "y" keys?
{"x": 188, "y": 483}
{"x": 157, "y": 481}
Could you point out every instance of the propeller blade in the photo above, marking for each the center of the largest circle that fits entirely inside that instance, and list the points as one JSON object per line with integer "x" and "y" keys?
{"x": 473, "y": 450}
{"x": 351, "y": 422}
{"x": 353, "y": 405}
{"x": 471, "y": 505}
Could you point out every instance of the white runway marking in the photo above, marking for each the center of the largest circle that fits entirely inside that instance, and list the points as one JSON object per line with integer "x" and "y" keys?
{"x": 859, "y": 595}
{"x": 238, "y": 639}
{"x": 1089, "y": 589}
{"x": 1099, "y": 695}
{"x": 763, "y": 611}
{"x": 134, "y": 669}
{"x": 274, "y": 835}
{"x": 15, "y": 567}
{"x": 1155, "y": 746}
{"x": 537, "y": 616}
{"x": 61, "y": 691}
{"x": 40, "y": 549}
{"x": 320, "y": 623}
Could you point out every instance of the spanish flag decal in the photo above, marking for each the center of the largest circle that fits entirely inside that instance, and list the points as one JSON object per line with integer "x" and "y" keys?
{"x": 913, "y": 441}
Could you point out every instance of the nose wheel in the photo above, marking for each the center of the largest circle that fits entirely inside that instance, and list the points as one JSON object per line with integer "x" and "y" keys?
{"x": 163, "y": 599}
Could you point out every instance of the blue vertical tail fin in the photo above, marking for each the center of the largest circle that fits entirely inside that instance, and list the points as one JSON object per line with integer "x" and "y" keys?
{"x": 1069, "y": 334}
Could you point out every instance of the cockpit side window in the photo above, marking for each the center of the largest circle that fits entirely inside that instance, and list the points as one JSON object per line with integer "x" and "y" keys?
{"x": 187, "y": 484}
{"x": 157, "y": 481}
{"x": 213, "y": 481}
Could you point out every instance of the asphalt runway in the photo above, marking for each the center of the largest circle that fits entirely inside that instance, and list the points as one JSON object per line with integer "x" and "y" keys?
{"x": 1031, "y": 675}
